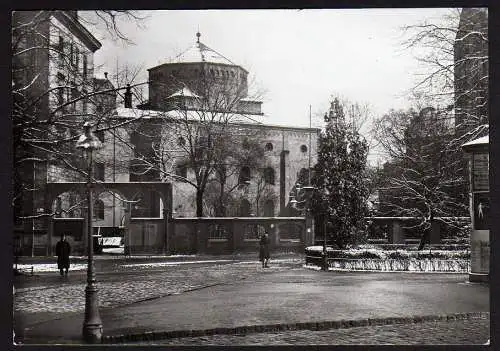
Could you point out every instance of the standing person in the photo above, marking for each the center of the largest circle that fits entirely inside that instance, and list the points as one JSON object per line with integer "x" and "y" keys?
{"x": 264, "y": 250}
{"x": 63, "y": 249}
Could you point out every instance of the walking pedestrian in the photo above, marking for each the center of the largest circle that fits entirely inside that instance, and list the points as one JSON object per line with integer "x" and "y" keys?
{"x": 264, "y": 250}
{"x": 63, "y": 249}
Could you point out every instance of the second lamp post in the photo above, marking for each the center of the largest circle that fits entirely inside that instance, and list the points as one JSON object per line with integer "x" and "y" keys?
{"x": 92, "y": 324}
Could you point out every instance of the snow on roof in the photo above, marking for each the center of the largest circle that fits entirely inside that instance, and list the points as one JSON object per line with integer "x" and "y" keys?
{"x": 477, "y": 142}
{"x": 183, "y": 92}
{"x": 199, "y": 52}
{"x": 123, "y": 112}
{"x": 250, "y": 120}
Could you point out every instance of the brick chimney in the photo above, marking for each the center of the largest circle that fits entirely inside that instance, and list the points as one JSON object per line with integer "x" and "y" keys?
{"x": 128, "y": 97}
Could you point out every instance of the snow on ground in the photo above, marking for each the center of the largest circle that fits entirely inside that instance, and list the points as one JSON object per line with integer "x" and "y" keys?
{"x": 162, "y": 264}
{"x": 113, "y": 250}
{"x": 48, "y": 267}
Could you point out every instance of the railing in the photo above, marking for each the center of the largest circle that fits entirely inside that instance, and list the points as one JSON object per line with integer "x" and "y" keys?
{"x": 408, "y": 265}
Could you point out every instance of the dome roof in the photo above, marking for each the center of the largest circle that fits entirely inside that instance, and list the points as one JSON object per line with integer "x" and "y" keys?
{"x": 199, "y": 52}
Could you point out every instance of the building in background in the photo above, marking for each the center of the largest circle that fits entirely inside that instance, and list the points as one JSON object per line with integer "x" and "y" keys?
{"x": 203, "y": 90}
{"x": 471, "y": 71}
{"x": 52, "y": 66}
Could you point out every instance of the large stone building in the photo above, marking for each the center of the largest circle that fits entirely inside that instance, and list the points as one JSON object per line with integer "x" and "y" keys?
{"x": 52, "y": 65}
{"x": 198, "y": 108}
{"x": 471, "y": 70}
{"x": 187, "y": 98}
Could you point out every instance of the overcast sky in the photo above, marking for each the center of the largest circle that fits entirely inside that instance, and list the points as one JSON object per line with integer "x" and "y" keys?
{"x": 299, "y": 58}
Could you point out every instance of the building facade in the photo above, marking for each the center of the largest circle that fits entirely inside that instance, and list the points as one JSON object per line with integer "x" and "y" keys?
{"x": 199, "y": 118}
{"x": 471, "y": 70}
{"x": 201, "y": 96}
{"x": 52, "y": 66}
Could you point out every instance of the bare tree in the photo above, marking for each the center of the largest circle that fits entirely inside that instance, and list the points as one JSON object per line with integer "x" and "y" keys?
{"x": 453, "y": 51}
{"x": 53, "y": 94}
{"x": 423, "y": 178}
{"x": 197, "y": 132}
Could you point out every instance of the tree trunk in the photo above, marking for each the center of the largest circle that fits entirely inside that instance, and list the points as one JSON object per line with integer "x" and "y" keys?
{"x": 199, "y": 203}
{"x": 423, "y": 240}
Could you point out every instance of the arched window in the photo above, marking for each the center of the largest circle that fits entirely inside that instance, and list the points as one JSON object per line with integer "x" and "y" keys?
{"x": 245, "y": 208}
{"x": 244, "y": 177}
{"x": 98, "y": 209}
{"x": 99, "y": 171}
{"x": 303, "y": 176}
{"x": 245, "y": 144}
{"x": 181, "y": 141}
{"x": 269, "y": 208}
{"x": 269, "y": 175}
{"x": 181, "y": 170}
{"x": 269, "y": 147}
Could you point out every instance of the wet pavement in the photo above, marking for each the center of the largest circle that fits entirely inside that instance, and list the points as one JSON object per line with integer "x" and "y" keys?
{"x": 137, "y": 299}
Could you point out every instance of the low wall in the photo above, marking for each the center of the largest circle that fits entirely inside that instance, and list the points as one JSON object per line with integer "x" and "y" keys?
{"x": 231, "y": 235}
{"x": 146, "y": 236}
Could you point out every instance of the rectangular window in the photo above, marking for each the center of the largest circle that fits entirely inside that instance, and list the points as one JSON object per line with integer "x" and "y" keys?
{"x": 60, "y": 96}
{"x": 85, "y": 67}
{"x": 77, "y": 57}
{"x": 60, "y": 49}
{"x": 99, "y": 171}
{"x": 84, "y": 102}
{"x": 100, "y": 136}
{"x": 71, "y": 53}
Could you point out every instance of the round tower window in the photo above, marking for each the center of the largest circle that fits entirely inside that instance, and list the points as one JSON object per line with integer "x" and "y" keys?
{"x": 303, "y": 148}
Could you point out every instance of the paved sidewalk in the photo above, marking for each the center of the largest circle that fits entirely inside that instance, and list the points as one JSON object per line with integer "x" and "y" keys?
{"x": 277, "y": 296}
{"x": 460, "y": 332}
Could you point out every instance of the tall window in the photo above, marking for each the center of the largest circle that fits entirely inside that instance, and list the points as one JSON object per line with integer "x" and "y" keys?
{"x": 244, "y": 177}
{"x": 100, "y": 135}
{"x": 99, "y": 171}
{"x": 60, "y": 49}
{"x": 85, "y": 72}
{"x": 99, "y": 209}
{"x": 269, "y": 175}
{"x": 181, "y": 170}
{"x": 269, "y": 208}
{"x": 245, "y": 208}
{"x": 71, "y": 53}
{"x": 77, "y": 57}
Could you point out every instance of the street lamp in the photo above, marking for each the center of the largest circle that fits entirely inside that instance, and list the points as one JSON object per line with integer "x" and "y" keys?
{"x": 92, "y": 324}
{"x": 301, "y": 200}
{"x": 301, "y": 197}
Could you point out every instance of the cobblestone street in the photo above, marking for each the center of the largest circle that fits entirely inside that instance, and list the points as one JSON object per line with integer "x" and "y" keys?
{"x": 138, "y": 297}
{"x": 136, "y": 283}
{"x": 428, "y": 333}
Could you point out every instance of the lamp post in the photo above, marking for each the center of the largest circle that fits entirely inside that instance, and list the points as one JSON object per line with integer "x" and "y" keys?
{"x": 301, "y": 200}
{"x": 92, "y": 324}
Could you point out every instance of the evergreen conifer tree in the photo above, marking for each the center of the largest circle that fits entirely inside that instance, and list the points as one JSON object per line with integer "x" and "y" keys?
{"x": 340, "y": 199}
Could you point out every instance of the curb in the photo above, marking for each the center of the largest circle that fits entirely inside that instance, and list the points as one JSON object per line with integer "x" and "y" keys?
{"x": 271, "y": 328}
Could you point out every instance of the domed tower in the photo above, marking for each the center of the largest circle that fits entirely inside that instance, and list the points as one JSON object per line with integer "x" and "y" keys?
{"x": 200, "y": 79}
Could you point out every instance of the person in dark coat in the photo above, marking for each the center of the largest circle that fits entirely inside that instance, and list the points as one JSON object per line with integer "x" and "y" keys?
{"x": 264, "y": 250}
{"x": 63, "y": 249}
